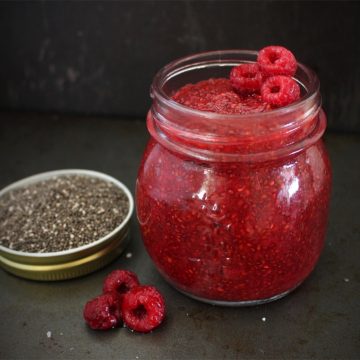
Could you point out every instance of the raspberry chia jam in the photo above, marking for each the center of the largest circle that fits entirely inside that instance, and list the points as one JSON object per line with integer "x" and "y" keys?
{"x": 232, "y": 205}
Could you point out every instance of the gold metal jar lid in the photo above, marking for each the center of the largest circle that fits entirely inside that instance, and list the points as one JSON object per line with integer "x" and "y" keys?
{"x": 71, "y": 263}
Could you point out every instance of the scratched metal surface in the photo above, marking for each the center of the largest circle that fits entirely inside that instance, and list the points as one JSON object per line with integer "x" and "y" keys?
{"x": 319, "y": 320}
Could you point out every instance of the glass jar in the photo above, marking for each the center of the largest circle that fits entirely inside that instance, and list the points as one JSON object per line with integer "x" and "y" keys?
{"x": 233, "y": 208}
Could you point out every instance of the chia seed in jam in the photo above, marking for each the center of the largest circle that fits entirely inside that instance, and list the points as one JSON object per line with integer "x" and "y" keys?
{"x": 232, "y": 204}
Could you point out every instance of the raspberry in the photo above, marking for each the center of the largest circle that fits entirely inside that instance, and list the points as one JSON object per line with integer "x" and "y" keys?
{"x": 246, "y": 78}
{"x": 276, "y": 60}
{"x": 280, "y": 90}
{"x": 103, "y": 312}
{"x": 120, "y": 281}
{"x": 143, "y": 308}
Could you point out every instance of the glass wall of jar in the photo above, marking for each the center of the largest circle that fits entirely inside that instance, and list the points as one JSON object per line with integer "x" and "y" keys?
{"x": 233, "y": 208}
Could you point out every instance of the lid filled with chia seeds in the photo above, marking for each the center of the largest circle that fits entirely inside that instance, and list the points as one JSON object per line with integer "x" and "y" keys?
{"x": 63, "y": 224}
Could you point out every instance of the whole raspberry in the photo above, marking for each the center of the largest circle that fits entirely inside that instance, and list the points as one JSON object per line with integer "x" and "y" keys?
{"x": 276, "y": 60}
{"x": 143, "y": 308}
{"x": 103, "y": 312}
{"x": 120, "y": 281}
{"x": 280, "y": 90}
{"x": 246, "y": 78}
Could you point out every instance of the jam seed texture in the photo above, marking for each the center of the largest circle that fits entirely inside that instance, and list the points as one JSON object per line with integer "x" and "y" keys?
{"x": 246, "y": 78}
{"x": 143, "y": 308}
{"x": 276, "y": 60}
{"x": 226, "y": 103}
{"x": 120, "y": 281}
{"x": 103, "y": 312}
{"x": 280, "y": 90}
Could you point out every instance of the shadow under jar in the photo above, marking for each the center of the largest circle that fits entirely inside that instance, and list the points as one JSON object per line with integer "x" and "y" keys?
{"x": 233, "y": 208}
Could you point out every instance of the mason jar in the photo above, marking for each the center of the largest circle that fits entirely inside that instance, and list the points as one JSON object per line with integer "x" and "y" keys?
{"x": 233, "y": 208}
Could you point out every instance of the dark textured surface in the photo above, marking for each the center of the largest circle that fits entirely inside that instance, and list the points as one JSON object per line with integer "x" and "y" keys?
{"x": 320, "y": 320}
{"x": 100, "y": 56}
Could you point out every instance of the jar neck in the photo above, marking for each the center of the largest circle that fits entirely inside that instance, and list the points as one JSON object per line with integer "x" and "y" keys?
{"x": 237, "y": 137}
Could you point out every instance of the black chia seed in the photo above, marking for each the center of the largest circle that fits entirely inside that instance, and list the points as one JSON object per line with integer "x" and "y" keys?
{"x": 60, "y": 213}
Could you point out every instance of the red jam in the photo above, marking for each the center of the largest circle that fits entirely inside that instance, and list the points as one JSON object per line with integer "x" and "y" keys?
{"x": 232, "y": 230}
{"x": 217, "y": 95}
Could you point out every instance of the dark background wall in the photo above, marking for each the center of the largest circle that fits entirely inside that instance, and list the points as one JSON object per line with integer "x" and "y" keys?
{"x": 100, "y": 57}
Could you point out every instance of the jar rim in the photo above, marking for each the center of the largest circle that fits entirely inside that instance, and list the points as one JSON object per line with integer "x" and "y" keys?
{"x": 186, "y": 63}
{"x": 256, "y": 135}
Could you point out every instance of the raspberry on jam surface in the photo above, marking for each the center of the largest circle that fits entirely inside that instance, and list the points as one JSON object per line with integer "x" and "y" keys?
{"x": 280, "y": 90}
{"x": 276, "y": 60}
{"x": 230, "y": 96}
{"x": 246, "y": 78}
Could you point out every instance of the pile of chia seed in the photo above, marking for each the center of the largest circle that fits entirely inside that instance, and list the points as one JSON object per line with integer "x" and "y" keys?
{"x": 60, "y": 213}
